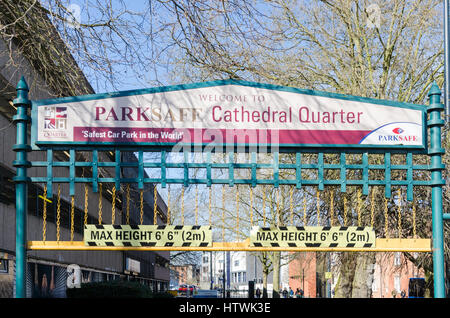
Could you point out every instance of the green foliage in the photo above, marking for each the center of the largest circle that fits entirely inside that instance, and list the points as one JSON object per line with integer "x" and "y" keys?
{"x": 114, "y": 289}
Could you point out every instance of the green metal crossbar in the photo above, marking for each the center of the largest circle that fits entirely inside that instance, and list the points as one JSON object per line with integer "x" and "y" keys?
{"x": 208, "y": 166}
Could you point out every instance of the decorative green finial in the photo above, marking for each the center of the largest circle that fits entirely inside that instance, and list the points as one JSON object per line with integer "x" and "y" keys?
{"x": 22, "y": 85}
{"x": 434, "y": 90}
{"x": 22, "y": 93}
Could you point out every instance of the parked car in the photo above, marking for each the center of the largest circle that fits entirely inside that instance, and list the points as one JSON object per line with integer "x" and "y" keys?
{"x": 192, "y": 289}
{"x": 416, "y": 288}
{"x": 207, "y": 293}
{"x": 182, "y": 290}
{"x": 187, "y": 290}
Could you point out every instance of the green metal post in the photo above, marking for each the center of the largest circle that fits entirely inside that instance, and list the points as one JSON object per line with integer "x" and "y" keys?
{"x": 21, "y": 119}
{"x": 435, "y": 152}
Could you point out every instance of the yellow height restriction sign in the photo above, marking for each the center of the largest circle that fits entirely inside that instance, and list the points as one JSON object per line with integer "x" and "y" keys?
{"x": 147, "y": 235}
{"x": 312, "y": 236}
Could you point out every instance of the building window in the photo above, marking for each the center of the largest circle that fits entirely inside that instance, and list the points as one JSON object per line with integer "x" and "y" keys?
{"x": 397, "y": 258}
{"x": 3, "y": 266}
{"x": 397, "y": 283}
{"x": 7, "y": 188}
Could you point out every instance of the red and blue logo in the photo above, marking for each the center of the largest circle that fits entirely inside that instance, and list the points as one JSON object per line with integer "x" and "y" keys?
{"x": 397, "y": 130}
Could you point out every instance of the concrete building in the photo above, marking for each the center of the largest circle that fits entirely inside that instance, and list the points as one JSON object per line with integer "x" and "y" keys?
{"x": 237, "y": 269}
{"x": 47, "y": 270}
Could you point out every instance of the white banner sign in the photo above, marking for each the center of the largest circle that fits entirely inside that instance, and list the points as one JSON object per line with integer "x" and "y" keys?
{"x": 228, "y": 113}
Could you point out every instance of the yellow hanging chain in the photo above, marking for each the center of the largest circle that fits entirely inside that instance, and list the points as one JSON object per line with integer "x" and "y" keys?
{"x": 58, "y": 213}
{"x": 141, "y": 206}
{"x": 128, "y": 203}
{"x": 414, "y": 218}
{"x": 345, "y": 210}
{"x": 318, "y": 207}
{"x": 72, "y": 215}
{"x": 210, "y": 208}
{"x": 332, "y": 207}
{"x": 168, "y": 206}
{"x": 155, "y": 206}
{"x": 237, "y": 211}
{"x": 44, "y": 215}
{"x": 386, "y": 234}
{"x": 358, "y": 207}
{"x": 264, "y": 205}
{"x": 86, "y": 204}
{"x": 372, "y": 207}
{"x": 278, "y": 207}
{"x": 113, "y": 205}
{"x": 251, "y": 205}
{"x": 304, "y": 210}
{"x": 182, "y": 205}
{"x": 399, "y": 211}
{"x": 291, "y": 204}
{"x": 196, "y": 204}
{"x": 223, "y": 213}
{"x": 100, "y": 203}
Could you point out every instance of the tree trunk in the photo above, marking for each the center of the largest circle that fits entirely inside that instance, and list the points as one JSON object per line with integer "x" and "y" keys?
{"x": 343, "y": 287}
{"x": 356, "y": 275}
{"x": 266, "y": 269}
{"x": 363, "y": 277}
{"x": 276, "y": 274}
{"x": 265, "y": 274}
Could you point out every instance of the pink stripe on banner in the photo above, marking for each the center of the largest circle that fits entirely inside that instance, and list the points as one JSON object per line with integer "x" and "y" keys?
{"x": 200, "y": 135}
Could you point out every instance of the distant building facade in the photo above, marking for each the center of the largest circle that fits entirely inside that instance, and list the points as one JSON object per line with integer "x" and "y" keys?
{"x": 303, "y": 274}
{"x": 237, "y": 269}
{"x": 317, "y": 274}
{"x": 184, "y": 274}
{"x": 392, "y": 273}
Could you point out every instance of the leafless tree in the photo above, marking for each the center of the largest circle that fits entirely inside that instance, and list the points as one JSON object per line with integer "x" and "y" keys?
{"x": 386, "y": 49}
{"x": 381, "y": 49}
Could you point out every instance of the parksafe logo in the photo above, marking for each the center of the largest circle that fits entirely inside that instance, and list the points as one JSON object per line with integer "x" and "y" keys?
{"x": 405, "y": 133}
{"x": 399, "y": 135}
